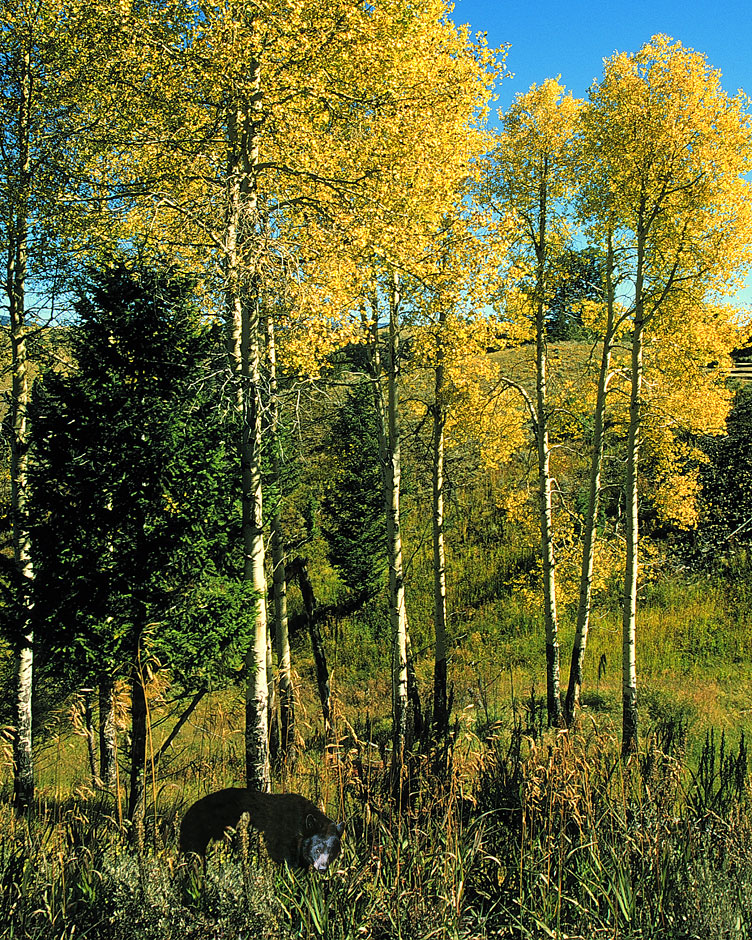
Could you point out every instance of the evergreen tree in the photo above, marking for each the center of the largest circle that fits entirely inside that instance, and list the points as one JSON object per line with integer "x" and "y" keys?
{"x": 354, "y": 500}
{"x": 581, "y": 278}
{"x": 726, "y": 500}
{"x": 129, "y": 493}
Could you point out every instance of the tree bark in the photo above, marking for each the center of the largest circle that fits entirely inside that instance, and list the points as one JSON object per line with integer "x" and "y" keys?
{"x": 553, "y": 690}
{"x": 257, "y": 699}
{"x": 167, "y": 743}
{"x": 242, "y": 290}
{"x": 594, "y": 491}
{"x": 404, "y": 687}
{"x": 279, "y": 580}
{"x": 629, "y": 613}
{"x": 16, "y": 285}
{"x": 300, "y": 567}
{"x": 271, "y": 708}
{"x": 440, "y": 696}
{"x": 393, "y": 467}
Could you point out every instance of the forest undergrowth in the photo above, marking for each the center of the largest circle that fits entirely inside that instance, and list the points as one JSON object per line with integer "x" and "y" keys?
{"x": 511, "y": 830}
{"x": 516, "y": 833}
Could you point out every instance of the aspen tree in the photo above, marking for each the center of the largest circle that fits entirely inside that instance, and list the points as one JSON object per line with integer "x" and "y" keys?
{"x": 532, "y": 179}
{"x": 450, "y": 334}
{"x": 389, "y": 438}
{"x": 17, "y": 249}
{"x": 47, "y": 135}
{"x": 429, "y": 130}
{"x": 669, "y": 152}
{"x": 613, "y": 320}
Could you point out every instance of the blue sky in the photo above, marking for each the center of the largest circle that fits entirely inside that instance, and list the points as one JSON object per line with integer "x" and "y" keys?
{"x": 549, "y": 37}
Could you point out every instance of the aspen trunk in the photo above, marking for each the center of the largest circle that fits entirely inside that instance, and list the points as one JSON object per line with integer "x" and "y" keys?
{"x": 244, "y": 324}
{"x": 272, "y": 711}
{"x": 279, "y": 580}
{"x": 440, "y": 697}
{"x": 397, "y": 609}
{"x": 591, "y": 516}
{"x": 553, "y": 691}
{"x": 629, "y": 616}
{"x": 404, "y": 686}
{"x": 16, "y": 269}
{"x": 629, "y": 613}
{"x": 257, "y": 698}
{"x": 284, "y": 662}
{"x": 629, "y": 619}
{"x": 389, "y": 451}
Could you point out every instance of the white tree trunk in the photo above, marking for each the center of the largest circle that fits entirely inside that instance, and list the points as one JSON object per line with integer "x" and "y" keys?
{"x": 629, "y": 613}
{"x": 591, "y": 516}
{"x": 16, "y": 269}
{"x": 440, "y": 697}
{"x": 284, "y": 665}
{"x": 397, "y": 609}
{"x": 244, "y": 325}
{"x": 389, "y": 450}
{"x": 553, "y": 691}
{"x": 257, "y": 698}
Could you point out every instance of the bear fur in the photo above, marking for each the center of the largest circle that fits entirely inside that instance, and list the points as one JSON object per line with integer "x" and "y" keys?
{"x": 295, "y": 830}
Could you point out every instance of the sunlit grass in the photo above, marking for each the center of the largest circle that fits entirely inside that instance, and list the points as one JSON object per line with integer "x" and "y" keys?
{"x": 529, "y": 834}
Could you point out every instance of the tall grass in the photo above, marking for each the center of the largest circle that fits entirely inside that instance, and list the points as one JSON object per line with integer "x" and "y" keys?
{"x": 520, "y": 834}
{"x": 511, "y": 832}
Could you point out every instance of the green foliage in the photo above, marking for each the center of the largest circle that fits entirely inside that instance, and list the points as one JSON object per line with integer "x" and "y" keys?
{"x": 129, "y": 483}
{"x": 720, "y": 785}
{"x": 726, "y": 502}
{"x": 580, "y": 277}
{"x": 354, "y": 495}
{"x": 206, "y": 634}
{"x": 283, "y": 460}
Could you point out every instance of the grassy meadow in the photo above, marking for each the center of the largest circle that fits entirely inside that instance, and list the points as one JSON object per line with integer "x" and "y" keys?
{"x": 326, "y": 175}
{"x": 512, "y": 830}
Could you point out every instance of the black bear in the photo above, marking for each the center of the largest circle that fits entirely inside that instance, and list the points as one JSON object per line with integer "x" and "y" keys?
{"x": 295, "y": 830}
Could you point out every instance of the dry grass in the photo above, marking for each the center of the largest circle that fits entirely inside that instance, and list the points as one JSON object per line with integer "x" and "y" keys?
{"x": 521, "y": 833}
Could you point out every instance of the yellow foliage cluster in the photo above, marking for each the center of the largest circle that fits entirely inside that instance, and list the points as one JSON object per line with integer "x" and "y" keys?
{"x": 670, "y": 151}
{"x": 353, "y": 139}
{"x": 349, "y": 129}
{"x": 537, "y": 142}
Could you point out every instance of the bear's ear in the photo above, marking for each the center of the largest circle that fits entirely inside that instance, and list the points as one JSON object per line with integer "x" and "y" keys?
{"x": 340, "y": 827}
{"x": 310, "y": 823}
